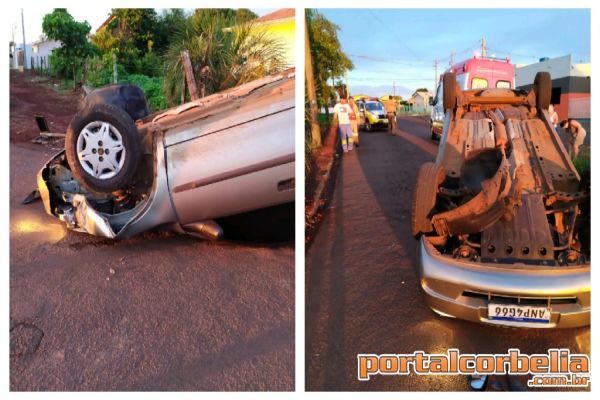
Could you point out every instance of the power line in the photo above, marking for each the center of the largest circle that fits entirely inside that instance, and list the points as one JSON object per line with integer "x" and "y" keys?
{"x": 399, "y": 38}
{"x": 389, "y": 79}
{"x": 389, "y": 60}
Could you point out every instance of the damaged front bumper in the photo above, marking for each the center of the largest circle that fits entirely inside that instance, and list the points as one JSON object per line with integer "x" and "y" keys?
{"x": 463, "y": 289}
{"x": 74, "y": 207}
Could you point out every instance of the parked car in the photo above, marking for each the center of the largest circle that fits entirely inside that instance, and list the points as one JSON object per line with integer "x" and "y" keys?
{"x": 372, "y": 115}
{"x": 124, "y": 172}
{"x": 502, "y": 215}
{"x": 474, "y": 73}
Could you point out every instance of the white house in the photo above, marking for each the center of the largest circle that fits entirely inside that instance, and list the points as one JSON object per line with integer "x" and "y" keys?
{"x": 16, "y": 56}
{"x": 419, "y": 101}
{"x": 40, "y": 50}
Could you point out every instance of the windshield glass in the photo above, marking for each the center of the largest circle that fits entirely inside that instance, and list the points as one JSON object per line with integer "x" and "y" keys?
{"x": 374, "y": 106}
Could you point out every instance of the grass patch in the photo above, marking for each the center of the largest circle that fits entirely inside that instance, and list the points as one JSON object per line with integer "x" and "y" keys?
{"x": 583, "y": 161}
{"x": 63, "y": 86}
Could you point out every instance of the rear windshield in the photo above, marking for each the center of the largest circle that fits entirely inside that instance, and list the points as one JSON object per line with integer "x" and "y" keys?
{"x": 479, "y": 83}
{"x": 503, "y": 85}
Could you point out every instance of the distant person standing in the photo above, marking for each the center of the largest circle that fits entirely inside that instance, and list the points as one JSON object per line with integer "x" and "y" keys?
{"x": 342, "y": 111}
{"x": 553, "y": 116}
{"x": 575, "y": 134}
{"x": 390, "y": 109}
{"x": 354, "y": 120}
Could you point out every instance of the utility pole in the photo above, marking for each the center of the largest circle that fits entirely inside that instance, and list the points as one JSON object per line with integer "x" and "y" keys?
{"x": 24, "y": 46}
{"x": 483, "y": 47}
{"x": 315, "y": 130}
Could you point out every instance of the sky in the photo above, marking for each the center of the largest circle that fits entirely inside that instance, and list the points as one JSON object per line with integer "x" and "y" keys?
{"x": 400, "y": 46}
{"x": 94, "y": 14}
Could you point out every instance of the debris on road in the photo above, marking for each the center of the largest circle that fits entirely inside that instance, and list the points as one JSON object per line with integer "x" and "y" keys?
{"x": 31, "y": 197}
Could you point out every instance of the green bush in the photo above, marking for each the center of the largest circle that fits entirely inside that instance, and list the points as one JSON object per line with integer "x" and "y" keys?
{"x": 99, "y": 70}
{"x": 150, "y": 64}
{"x": 583, "y": 161}
{"x": 153, "y": 87}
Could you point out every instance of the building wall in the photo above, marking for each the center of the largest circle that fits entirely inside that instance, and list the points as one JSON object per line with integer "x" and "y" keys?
{"x": 559, "y": 67}
{"x": 43, "y": 49}
{"x": 571, "y": 85}
{"x": 19, "y": 49}
{"x": 285, "y": 31}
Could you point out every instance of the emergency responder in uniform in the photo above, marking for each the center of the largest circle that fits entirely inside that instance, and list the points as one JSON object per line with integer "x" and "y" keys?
{"x": 390, "y": 109}
{"x": 575, "y": 135}
{"x": 354, "y": 120}
{"x": 342, "y": 111}
{"x": 553, "y": 116}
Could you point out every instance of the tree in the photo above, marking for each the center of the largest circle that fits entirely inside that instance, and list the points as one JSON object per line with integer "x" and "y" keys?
{"x": 168, "y": 22}
{"x": 244, "y": 15}
{"x": 229, "y": 15}
{"x": 131, "y": 35}
{"x": 67, "y": 59}
{"x": 329, "y": 61}
{"x": 222, "y": 55}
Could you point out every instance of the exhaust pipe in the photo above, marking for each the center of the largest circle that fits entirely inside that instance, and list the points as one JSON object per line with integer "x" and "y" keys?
{"x": 209, "y": 230}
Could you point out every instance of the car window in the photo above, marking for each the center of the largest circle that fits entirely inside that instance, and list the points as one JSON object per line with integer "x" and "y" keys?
{"x": 374, "y": 106}
{"x": 479, "y": 83}
{"x": 503, "y": 85}
{"x": 438, "y": 94}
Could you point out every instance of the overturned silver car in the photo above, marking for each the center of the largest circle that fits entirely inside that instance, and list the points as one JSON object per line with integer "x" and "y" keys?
{"x": 221, "y": 155}
{"x": 502, "y": 215}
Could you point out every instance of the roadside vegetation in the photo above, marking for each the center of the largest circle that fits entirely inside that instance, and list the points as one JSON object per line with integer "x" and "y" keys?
{"x": 330, "y": 64}
{"x": 145, "y": 49}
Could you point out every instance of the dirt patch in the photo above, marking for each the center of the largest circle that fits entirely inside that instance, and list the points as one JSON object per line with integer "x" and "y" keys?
{"x": 24, "y": 338}
{"x": 30, "y": 95}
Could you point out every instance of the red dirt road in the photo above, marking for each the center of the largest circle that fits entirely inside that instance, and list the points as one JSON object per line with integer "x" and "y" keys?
{"x": 28, "y": 97}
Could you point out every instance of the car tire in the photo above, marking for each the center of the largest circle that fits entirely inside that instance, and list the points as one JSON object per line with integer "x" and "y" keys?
{"x": 105, "y": 158}
{"x": 433, "y": 135}
{"x": 129, "y": 97}
{"x": 430, "y": 176}
{"x": 368, "y": 127}
{"x": 543, "y": 90}
{"x": 449, "y": 82}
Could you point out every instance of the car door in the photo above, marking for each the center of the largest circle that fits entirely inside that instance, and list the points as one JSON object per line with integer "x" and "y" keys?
{"x": 361, "y": 114}
{"x": 237, "y": 159}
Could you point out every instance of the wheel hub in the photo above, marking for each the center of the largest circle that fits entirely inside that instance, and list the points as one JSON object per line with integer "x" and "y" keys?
{"x": 100, "y": 150}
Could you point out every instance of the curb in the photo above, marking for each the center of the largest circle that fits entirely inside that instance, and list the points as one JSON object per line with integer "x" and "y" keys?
{"x": 316, "y": 204}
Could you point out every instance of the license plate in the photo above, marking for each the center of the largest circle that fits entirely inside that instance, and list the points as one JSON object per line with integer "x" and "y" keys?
{"x": 385, "y": 121}
{"x": 513, "y": 312}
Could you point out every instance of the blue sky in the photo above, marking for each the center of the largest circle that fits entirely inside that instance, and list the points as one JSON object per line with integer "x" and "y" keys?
{"x": 401, "y": 44}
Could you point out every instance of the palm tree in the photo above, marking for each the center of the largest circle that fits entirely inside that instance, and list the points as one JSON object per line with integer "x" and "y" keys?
{"x": 222, "y": 56}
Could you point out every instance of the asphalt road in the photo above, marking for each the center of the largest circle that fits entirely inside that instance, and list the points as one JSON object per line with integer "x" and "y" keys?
{"x": 362, "y": 291}
{"x": 156, "y": 312}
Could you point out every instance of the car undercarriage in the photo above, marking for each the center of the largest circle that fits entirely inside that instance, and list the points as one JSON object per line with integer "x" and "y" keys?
{"x": 503, "y": 194}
